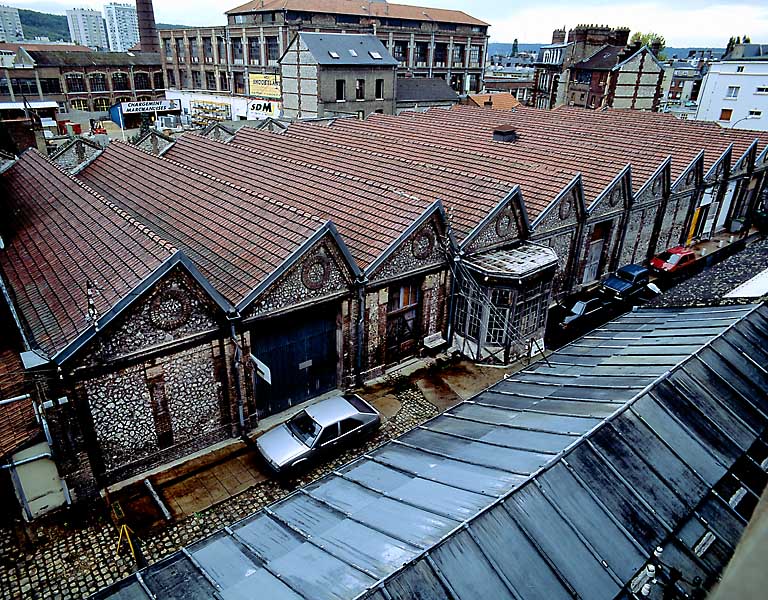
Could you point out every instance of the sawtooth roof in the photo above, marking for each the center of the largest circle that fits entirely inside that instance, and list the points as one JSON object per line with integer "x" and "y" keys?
{"x": 552, "y": 147}
{"x": 363, "y": 8}
{"x": 58, "y": 236}
{"x": 369, "y": 215}
{"x": 558, "y": 482}
{"x": 234, "y": 236}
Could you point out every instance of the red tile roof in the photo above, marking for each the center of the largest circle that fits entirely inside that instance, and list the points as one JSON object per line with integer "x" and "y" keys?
{"x": 58, "y": 236}
{"x": 368, "y": 214}
{"x": 552, "y": 146}
{"x": 498, "y": 101}
{"x": 363, "y": 8}
{"x": 17, "y": 419}
{"x": 466, "y": 185}
{"x": 235, "y": 237}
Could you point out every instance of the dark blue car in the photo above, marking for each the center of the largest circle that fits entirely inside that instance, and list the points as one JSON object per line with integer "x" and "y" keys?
{"x": 629, "y": 282}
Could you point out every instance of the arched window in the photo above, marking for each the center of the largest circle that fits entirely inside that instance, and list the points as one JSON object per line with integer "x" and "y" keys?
{"x": 101, "y": 104}
{"x": 98, "y": 82}
{"x": 75, "y": 82}
{"x": 141, "y": 81}
{"x": 120, "y": 81}
{"x": 78, "y": 104}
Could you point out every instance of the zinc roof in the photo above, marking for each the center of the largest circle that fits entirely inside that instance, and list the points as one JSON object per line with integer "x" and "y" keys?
{"x": 557, "y": 482}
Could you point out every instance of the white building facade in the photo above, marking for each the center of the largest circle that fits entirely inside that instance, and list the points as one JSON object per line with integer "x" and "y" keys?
{"x": 122, "y": 26}
{"x": 86, "y": 27}
{"x": 10, "y": 24}
{"x": 735, "y": 91}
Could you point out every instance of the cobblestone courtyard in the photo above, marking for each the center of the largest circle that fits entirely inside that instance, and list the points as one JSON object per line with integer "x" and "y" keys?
{"x": 81, "y": 559}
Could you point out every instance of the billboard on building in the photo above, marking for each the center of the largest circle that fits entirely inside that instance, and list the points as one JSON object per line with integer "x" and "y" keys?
{"x": 147, "y": 106}
{"x": 261, "y": 108}
{"x": 264, "y": 85}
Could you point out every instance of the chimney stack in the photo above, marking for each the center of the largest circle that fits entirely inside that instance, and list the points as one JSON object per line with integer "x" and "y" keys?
{"x": 558, "y": 36}
{"x": 505, "y": 133}
{"x": 145, "y": 13}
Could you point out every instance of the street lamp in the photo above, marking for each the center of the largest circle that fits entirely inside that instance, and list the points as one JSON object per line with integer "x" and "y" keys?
{"x": 743, "y": 119}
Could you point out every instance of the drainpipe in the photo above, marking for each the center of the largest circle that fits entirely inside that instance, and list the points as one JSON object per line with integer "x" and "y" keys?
{"x": 360, "y": 322}
{"x": 451, "y": 298}
{"x": 236, "y": 375}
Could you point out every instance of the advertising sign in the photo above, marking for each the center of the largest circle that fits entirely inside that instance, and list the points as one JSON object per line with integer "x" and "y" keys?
{"x": 264, "y": 85}
{"x": 149, "y": 106}
{"x": 259, "y": 108}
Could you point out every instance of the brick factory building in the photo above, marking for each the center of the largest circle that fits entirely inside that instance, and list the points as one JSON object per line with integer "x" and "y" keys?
{"x": 78, "y": 78}
{"x": 146, "y": 304}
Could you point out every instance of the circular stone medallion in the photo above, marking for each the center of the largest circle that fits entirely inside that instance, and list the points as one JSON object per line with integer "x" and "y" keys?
{"x": 169, "y": 309}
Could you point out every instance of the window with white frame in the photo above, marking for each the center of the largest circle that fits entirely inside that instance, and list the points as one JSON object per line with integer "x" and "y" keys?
{"x": 755, "y": 114}
{"x": 761, "y": 89}
{"x": 732, "y": 91}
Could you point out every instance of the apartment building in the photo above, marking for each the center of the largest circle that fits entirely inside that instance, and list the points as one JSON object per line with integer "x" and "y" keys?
{"x": 122, "y": 26}
{"x": 735, "y": 91}
{"x": 426, "y": 42}
{"x": 86, "y": 27}
{"x": 10, "y": 24}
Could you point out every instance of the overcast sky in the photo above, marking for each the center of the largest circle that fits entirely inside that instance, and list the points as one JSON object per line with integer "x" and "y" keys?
{"x": 681, "y": 22}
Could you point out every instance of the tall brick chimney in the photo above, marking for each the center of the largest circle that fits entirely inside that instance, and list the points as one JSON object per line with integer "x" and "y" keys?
{"x": 558, "y": 36}
{"x": 147, "y": 31}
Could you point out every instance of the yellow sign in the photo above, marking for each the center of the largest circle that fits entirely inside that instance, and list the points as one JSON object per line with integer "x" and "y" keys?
{"x": 264, "y": 85}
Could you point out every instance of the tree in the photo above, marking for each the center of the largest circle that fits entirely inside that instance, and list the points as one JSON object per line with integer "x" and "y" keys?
{"x": 646, "y": 39}
{"x": 746, "y": 40}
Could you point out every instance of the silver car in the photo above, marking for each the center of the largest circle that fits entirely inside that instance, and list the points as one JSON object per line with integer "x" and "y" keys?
{"x": 316, "y": 430}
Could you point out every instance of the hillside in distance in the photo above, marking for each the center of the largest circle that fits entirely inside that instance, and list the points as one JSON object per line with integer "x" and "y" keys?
{"x": 54, "y": 27}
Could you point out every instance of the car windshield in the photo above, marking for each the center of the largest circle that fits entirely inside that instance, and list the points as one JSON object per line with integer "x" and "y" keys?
{"x": 579, "y": 308}
{"x": 670, "y": 258}
{"x": 304, "y": 428}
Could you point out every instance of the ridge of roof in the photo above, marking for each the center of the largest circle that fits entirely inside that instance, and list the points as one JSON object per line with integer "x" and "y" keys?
{"x": 143, "y": 228}
{"x": 249, "y": 191}
{"x": 362, "y": 8}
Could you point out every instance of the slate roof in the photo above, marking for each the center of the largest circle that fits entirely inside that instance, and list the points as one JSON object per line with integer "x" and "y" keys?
{"x": 369, "y": 215}
{"x": 57, "y": 58}
{"x": 362, "y": 8}
{"x": 748, "y": 52}
{"x": 603, "y": 59}
{"x": 59, "y": 235}
{"x": 347, "y": 49}
{"x": 557, "y": 482}
{"x": 424, "y": 89}
{"x": 235, "y": 237}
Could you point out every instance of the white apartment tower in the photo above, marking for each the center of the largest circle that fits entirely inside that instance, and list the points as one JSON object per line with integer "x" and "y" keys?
{"x": 10, "y": 24}
{"x": 122, "y": 26}
{"x": 86, "y": 27}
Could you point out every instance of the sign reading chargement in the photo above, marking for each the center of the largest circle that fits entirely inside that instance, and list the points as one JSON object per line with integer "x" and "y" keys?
{"x": 148, "y": 106}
